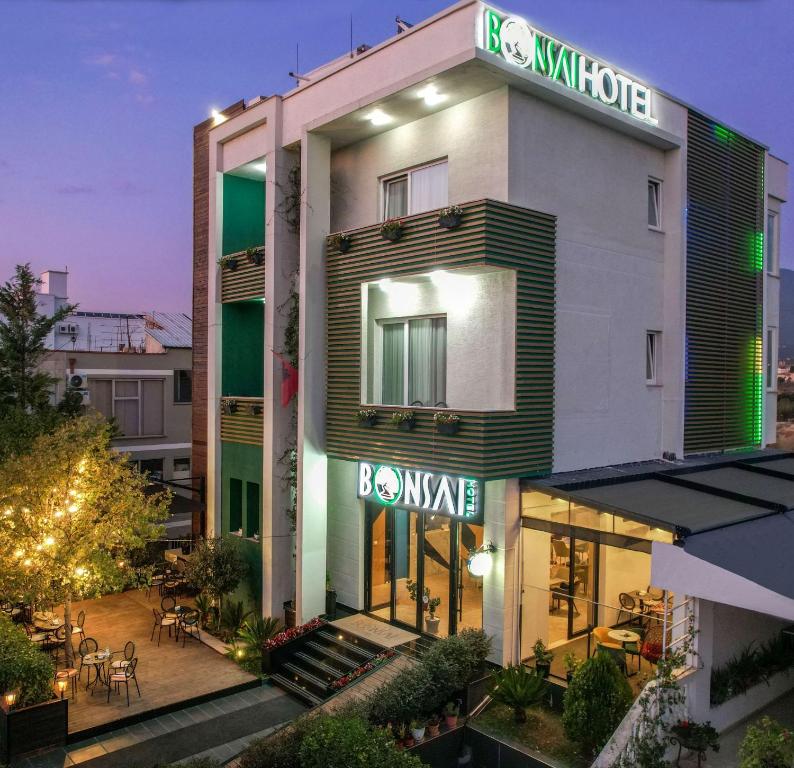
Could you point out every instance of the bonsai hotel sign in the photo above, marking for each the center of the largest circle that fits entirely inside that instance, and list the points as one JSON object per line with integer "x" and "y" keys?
{"x": 514, "y": 40}
{"x": 459, "y": 497}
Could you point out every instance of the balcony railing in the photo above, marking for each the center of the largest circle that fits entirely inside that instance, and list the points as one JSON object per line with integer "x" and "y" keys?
{"x": 247, "y": 279}
{"x": 242, "y": 420}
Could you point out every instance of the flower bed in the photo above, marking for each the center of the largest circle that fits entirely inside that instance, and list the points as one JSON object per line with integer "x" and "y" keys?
{"x": 282, "y": 638}
{"x": 374, "y": 662}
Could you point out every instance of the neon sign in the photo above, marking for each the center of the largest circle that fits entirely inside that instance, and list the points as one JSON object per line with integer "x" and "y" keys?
{"x": 459, "y": 497}
{"x": 518, "y": 43}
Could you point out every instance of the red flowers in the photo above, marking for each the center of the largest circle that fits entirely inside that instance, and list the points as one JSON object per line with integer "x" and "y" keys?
{"x": 290, "y": 634}
{"x": 375, "y": 661}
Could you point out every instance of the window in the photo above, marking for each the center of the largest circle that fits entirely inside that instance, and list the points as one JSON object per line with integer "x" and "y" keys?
{"x": 235, "y": 505}
{"x": 414, "y": 361}
{"x": 771, "y": 243}
{"x": 182, "y": 465}
{"x": 654, "y": 204}
{"x": 251, "y": 509}
{"x": 422, "y": 189}
{"x": 771, "y": 358}
{"x": 135, "y": 404}
{"x": 183, "y": 386}
{"x": 652, "y": 352}
{"x": 153, "y": 466}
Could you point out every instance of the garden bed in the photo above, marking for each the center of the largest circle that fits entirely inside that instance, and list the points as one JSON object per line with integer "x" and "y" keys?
{"x": 542, "y": 733}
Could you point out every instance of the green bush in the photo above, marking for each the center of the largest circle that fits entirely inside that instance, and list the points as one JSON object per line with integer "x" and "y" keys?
{"x": 518, "y": 688}
{"x": 767, "y": 744}
{"x": 196, "y": 762}
{"x": 23, "y": 667}
{"x": 335, "y": 741}
{"x": 445, "y": 669}
{"x": 597, "y": 698}
{"x": 281, "y": 750}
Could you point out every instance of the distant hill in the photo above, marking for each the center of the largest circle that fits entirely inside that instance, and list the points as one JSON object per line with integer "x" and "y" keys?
{"x": 786, "y": 332}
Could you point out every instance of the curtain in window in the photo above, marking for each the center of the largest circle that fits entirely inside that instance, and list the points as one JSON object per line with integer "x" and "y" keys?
{"x": 126, "y": 413}
{"x": 152, "y": 392}
{"x": 393, "y": 361}
{"x": 429, "y": 188}
{"x": 101, "y": 393}
{"x": 397, "y": 198}
{"x": 427, "y": 360}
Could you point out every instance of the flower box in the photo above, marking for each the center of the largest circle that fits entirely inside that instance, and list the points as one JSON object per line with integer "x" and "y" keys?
{"x": 256, "y": 256}
{"x": 450, "y": 217}
{"x": 271, "y": 649}
{"x": 26, "y": 729}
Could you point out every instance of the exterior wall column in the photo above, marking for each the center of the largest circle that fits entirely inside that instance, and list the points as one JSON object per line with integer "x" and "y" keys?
{"x": 312, "y": 462}
{"x": 501, "y": 585}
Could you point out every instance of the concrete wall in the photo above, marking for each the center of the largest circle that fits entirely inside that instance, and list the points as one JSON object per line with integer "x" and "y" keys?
{"x": 475, "y": 147}
{"x": 481, "y": 321}
{"x": 620, "y": 570}
{"x": 610, "y": 270}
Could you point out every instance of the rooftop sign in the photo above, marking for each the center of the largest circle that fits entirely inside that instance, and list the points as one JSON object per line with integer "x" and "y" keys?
{"x": 518, "y": 43}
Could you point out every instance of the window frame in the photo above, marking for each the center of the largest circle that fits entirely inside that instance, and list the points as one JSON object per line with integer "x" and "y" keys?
{"x": 653, "y": 360}
{"x": 138, "y": 398}
{"x": 177, "y": 388}
{"x": 656, "y": 184}
{"x": 406, "y": 173}
{"x": 377, "y": 383}
{"x": 772, "y": 248}
{"x": 770, "y": 371}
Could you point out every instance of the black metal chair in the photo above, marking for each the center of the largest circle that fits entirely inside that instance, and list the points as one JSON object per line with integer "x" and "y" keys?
{"x": 124, "y": 676}
{"x": 160, "y": 621}
{"x": 87, "y": 645}
{"x": 55, "y": 643}
{"x": 36, "y": 636}
{"x": 156, "y": 581}
{"x": 168, "y": 607}
{"x": 79, "y": 628}
{"x": 628, "y": 605}
{"x": 14, "y": 612}
{"x": 189, "y": 625}
{"x": 129, "y": 655}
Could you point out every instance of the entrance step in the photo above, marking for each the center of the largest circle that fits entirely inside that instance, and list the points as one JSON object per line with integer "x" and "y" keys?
{"x": 415, "y": 648}
{"x": 301, "y": 693}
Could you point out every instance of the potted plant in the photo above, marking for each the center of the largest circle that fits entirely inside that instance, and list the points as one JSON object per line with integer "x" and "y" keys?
{"x": 407, "y": 737}
{"x": 431, "y": 621}
{"x": 229, "y": 406}
{"x": 417, "y": 731}
{"x": 572, "y": 662}
{"x": 413, "y": 588}
{"x": 767, "y": 743}
{"x": 697, "y": 737}
{"x": 367, "y": 417}
{"x": 330, "y": 598}
{"x": 341, "y": 241}
{"x": 256, "y": 409}
{"x": 517, "y": 687}
{"x": 451, "y": 712}
{"x": 256, "y": 255}
{"x": 450, "y": 217}
{"x": 433, "y": 725}
{"x": 229, "y": 261}
{"x": 391, "y": 229}
{"x": 447, "y": 423}
{"x": 404, "y": 420}
{"x": 543, "y": 657}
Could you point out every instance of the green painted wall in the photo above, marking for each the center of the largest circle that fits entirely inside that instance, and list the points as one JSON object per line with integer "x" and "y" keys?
{"x": 243, "y": 214}
{"x": 243, "y": 345}
{"x": 244, "y": 463}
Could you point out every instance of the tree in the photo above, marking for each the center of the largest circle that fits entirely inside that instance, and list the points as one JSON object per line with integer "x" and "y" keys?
{"x": 71, "y": 511}
{"x": 216, "y": 567}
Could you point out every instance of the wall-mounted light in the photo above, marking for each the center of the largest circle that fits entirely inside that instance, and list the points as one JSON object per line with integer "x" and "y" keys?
{"x": 480, "y": 562}
{"x": 431, "y": 95}
{"x": 217, "y": 117}
{"x": 379, "y": 117}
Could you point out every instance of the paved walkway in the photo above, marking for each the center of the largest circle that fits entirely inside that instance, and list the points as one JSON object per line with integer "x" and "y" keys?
{"x": 221, "y": 727}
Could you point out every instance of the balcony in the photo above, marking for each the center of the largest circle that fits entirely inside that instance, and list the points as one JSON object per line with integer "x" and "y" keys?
{"x": 242, "y": 420}
{"x": 246, "y": 280}
{"x": 513, "y": 436}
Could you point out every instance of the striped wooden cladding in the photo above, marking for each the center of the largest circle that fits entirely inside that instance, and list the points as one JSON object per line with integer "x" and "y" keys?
{"x": 243, "y": 426}
{"x": 489, "y": 445}
{"x": 245, "y": 282}
{"x": 724, "y": 283}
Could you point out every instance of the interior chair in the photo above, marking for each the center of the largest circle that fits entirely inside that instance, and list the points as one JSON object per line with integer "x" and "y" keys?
{"x": 124, "y": 676}
{"x": 561, "y": 550}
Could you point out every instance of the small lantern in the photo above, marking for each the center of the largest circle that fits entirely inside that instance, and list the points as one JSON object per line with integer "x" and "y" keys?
{"x": 61, "y": 686}
{"x": 10, "y": 699}
{"x": 480, "y": 562}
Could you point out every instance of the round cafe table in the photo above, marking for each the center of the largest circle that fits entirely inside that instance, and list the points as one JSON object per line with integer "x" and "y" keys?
{"x": 97, "y": 661}
{"x": 624, "y": 636}
{"x": 46, "y": 621}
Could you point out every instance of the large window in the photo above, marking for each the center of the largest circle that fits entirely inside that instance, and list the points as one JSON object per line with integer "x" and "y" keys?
{"x": 654, "y": 204}
{"x": 414, "y": 361}
{"x": 422, "y": 189}
{"x": 771, "y": 359}
{"x": 771, "y": 243}
{"x": 135, "y": 404}
{"x": 183, "y": 386}
{"x": 652, "y": 352}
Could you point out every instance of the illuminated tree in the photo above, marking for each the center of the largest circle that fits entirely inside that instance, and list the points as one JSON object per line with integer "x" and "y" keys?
{"x": 71, "y": 511}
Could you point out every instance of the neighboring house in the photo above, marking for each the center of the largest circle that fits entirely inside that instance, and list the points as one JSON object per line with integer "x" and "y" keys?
{"x": 600, "y": 313}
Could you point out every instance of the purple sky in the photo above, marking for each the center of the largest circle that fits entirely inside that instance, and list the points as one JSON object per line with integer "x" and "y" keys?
{"x": 98, "y": 101}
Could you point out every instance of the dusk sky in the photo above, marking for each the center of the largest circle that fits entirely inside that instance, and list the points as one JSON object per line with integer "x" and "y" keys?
{"x": 98, "y": 101}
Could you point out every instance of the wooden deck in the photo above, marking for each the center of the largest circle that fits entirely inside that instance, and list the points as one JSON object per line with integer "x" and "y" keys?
{"x": 167, "y": 675}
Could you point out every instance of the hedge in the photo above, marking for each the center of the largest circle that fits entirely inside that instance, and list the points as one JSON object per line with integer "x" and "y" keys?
{"x": 23, "y": 666}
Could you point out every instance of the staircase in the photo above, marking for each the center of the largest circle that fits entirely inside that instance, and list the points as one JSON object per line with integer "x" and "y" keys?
{"x": 312, "y": 663}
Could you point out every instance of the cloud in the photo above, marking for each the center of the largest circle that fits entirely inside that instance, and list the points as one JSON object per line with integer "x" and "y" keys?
{"x": 136, "y": 77}
{"x": 121, "y": 67}
{"x": 129, "y": 188}
{"x": 75, "y": 189}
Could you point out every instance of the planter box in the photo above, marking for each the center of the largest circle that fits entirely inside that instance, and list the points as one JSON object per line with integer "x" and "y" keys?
{"x": 487, "y": 750}
{"x": 32, "y": 728}
{"x": 441, "y": 751}
{"x": 273, "y": 657}
{"x": 745, "y": 704}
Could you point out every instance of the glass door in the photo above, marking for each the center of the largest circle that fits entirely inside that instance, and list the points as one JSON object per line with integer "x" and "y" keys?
{"x": 469, "y": 602}
{"x": 406, "y": 566}
{"x": 584, "y": 570}
{"x": 436, "y": 571}
{"x": 379, "y": 590}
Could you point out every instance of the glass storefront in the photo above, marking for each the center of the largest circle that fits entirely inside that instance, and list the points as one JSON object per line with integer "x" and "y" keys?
{"x": 417, "y": 557}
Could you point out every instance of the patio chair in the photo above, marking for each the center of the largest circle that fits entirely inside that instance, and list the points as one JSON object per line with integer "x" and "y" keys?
{"x": 651, "y": 649}
{"x": 129, "y": 654}
{"x": 87, "y": 645}
{"x": 124, "y": 676}
{"x": 168, "y": 606}
{"x": 35, "y": 636}
{"x": 635, "y": 649}
{"x": 69, "y": 674}
{"x": 14, "y": 612}
{"x": 79, "y": 628}
{"x": 160, "y": 621}
{"x": 156, "y": 582}
{"x": 55, "y": 643}
{"x": 602, "y": 638}
{"x": 189, "y": 625}
{"x": 655, "y": 593}
{"x": 628, "y": 606}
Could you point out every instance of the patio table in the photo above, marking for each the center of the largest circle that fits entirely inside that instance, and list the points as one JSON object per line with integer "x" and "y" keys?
{"x": 97, "y": 661}
{"x": 624, "y": 636}
{"x": 47, "y": 621}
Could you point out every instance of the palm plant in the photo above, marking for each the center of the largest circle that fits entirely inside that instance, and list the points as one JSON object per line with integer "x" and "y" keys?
{"x": 204, "y": 606}
{"x": 518, "y": 688}
{"x": 254, "y": 632}
{"x": 233, "y": 614}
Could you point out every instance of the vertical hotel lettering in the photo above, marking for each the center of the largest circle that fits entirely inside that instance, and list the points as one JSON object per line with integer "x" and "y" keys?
{"x": 517, "y": 42}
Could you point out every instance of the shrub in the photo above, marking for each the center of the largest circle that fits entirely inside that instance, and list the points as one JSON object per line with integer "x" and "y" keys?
{"x": 281, "y": 750}
{"x": 518, "y": 688}
{"x": 216, "y": 567}
{"x": 767, "y": 744}
{"x": 597, "y": 698}
{"x": 23, "y": 667}
{"x": 196, "y": 762}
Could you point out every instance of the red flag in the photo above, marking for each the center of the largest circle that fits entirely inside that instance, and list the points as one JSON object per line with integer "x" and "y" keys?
{"x": 289, "y": 380}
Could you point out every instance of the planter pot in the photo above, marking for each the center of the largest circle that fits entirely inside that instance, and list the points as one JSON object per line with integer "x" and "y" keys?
{"x": 330, "y": 604}
{"x": 448, "y": 429}
{"x": 32, "y": 728}
{"x": 569, "y": 676}
{"x": 451, "y": 721}
{"x": 409, "y": 742}
{"x": 231, "y": 265}
{"x": 433, "y": 731}
{"x": 543, "y": 668}
{"x": 392, "y": 234}
{"x": 418, "y": 734}
{"x": 344, "y": 246}
{"x": 407, "y": 425}
{"x": 431, "y": 625}
{"x": 368, "y": 422}
{"x": 289, "y": 615}
{"x": 257, "y": 259}
{"x": 267, "y": 662}
{"x": 449, "y": 222}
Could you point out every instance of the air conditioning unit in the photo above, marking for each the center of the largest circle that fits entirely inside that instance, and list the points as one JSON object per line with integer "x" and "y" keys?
{"x": 70, "y": 329}
{"x": 84, "y": 394}
{"x": 77, "y": 380}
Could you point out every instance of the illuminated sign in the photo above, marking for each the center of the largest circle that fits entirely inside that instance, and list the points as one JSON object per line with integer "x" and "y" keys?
{"x": 459, "y": 497}
{"x": 514, "y": 40}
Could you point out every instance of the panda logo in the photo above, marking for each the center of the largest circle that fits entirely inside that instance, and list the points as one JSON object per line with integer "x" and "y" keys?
{"x": 388, "y": 485}
{"x": 517, "y": 41}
